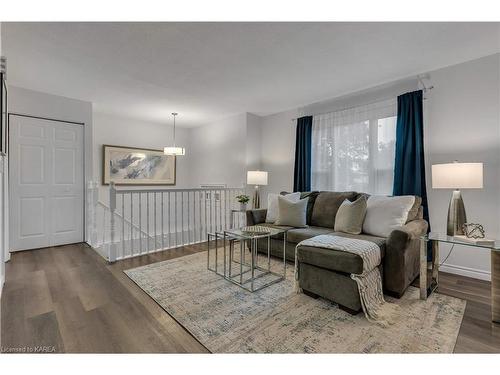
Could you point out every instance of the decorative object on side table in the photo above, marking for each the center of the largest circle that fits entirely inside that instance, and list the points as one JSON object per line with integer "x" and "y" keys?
{"x": 256, "y": 178}
{"x": 472, "y": 230}
{"x": 243, "y": 199}
{"x": 137, "y": 166}
{"x": 474, "y": 233}
{"x": 255, "y": 230}
{"x": 456, "y": 176}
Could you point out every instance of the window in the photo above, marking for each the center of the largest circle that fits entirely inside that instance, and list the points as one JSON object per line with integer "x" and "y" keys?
{"x": 353, "y": 149}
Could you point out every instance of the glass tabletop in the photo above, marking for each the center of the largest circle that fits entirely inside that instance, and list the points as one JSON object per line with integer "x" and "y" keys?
{"x": 254, "y": 231}
{"x": 462, "y": 240}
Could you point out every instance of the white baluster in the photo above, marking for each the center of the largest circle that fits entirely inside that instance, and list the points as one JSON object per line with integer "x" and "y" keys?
{"x": 162, "y": 224}
{"x": 112, "y": 208}
{"x": 131, "y": 224}
{"x": 169, "y": 216}
{"x": 123, "y": 226}
{"x": 140, "y": 223}
{"x": 156, "y": 236}
{"x": 175, "y": 217}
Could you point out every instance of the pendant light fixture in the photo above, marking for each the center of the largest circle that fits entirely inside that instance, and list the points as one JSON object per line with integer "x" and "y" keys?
{"x": 174, "y": 150}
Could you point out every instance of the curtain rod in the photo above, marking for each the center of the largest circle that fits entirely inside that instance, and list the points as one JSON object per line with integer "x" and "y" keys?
{"x": 424, "y": 89}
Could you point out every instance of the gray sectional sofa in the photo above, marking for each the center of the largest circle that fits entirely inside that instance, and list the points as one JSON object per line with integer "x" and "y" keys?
{"x": 326, "y": 272}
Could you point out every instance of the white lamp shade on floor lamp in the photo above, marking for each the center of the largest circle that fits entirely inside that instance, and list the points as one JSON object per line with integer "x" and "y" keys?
{"x": 457, "y": 176}
{"x": 256, "y": 178}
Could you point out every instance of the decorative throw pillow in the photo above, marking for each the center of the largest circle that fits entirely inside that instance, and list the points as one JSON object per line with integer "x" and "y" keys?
{"x": 413, "y": 213}
{"x": 384, "y": 214}
{"x": 350, "y": 216}
{"x": 293, "y": 214}
{"x": 272, "y": 205}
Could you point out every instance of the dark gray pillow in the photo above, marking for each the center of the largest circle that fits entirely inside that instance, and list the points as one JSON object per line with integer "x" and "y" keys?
{"x": 326, "y": 205}
{"x": 293, "y": 214}
{"x": 350, "y": 216}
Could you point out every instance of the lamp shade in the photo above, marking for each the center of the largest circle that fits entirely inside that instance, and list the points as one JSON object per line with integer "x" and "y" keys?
{"x": 457, "y": 176}
{"x": 256, "y": 178}
{"x": 177, "y": 151}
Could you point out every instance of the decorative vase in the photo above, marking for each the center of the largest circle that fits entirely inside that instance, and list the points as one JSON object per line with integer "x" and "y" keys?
{"x": 243, "y": 206}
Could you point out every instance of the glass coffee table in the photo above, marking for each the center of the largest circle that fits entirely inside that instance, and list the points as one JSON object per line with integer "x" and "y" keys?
{"x": 429, "y": 277}
{"x": 236, "y": 268}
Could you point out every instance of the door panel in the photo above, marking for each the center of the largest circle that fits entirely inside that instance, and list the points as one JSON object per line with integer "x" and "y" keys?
{"x": 46, "y": 183}
{"x": 32, "y": 168}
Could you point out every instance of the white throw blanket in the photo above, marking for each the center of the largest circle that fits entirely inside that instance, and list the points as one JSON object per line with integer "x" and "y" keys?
{"x": 369, "y": 281}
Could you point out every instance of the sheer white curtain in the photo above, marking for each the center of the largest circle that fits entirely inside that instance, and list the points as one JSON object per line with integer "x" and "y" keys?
{"x": 353, "y": 149}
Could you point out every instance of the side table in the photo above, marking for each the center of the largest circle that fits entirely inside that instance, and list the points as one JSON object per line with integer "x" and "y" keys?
{"x": 429, "y": 278}
{"x": 231, "y": 217}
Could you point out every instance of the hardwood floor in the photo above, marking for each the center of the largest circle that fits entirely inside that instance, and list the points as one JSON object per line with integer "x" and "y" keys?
{"x": 68, "y": 299}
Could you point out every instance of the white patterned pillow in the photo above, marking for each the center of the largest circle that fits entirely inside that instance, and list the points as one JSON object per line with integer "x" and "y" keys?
{"x": 272, "y": 205}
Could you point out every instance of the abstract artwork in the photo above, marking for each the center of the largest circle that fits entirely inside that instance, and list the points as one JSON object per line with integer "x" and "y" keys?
{"x": 137, "y": 166}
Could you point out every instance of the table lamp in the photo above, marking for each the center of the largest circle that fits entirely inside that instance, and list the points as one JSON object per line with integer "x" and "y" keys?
{"x": 457, "y": 176}
{"x": 256, "y": 178}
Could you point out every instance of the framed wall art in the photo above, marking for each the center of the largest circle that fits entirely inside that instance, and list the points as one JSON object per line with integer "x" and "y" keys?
{"x": 137, "y": 166}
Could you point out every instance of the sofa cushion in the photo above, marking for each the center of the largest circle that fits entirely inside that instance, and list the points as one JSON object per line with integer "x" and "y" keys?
{"x": 384, "y": 214}
{"x": 292, "y": 213}
{"x": 272, "y": 205}
{"x": 301, "y": 234}
{"x": 326, "y": 206}
{"x": 336, "y": 260}
{"x": 413, "y": 213}
{"x": 350, "y": 216}
{"x": 310, "y": 203}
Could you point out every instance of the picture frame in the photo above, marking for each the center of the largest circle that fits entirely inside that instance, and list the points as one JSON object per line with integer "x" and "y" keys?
{"x": 4, "y": 118}
{"x": 136, "y": 166}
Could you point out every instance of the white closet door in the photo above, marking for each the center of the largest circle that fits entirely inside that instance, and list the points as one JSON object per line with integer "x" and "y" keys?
{"x": 46, "y": 183}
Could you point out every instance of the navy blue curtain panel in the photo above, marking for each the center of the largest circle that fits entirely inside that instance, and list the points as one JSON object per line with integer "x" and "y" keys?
{"x": 409, "y": 166}
{"x": 302, "y": 169}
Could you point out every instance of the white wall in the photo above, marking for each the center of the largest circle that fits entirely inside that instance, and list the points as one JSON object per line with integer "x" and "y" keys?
{"x": 218, "y": 152}
{"x": 278, "y": 152}
{"x": 463, "y": 123}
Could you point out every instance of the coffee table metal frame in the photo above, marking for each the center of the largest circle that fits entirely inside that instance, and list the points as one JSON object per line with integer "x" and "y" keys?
{"x": 238, "y": 271}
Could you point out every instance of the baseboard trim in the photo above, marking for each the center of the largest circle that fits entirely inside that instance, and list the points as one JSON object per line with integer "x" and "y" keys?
{"x": 466, "y": 271}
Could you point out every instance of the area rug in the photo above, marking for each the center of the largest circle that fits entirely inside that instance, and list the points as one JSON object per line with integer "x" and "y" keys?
{"x": 228, "y": 319}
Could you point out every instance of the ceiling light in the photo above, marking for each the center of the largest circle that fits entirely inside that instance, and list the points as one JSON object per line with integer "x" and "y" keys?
{"x": 174, "y": 150}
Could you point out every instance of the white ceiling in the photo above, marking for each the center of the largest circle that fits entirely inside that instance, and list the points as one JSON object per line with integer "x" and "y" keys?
{"x": 206, "y": 71}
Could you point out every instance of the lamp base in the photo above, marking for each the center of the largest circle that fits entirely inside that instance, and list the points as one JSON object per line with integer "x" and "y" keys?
{"x": 456, "y": 215}
{"x": 256, "y": 198}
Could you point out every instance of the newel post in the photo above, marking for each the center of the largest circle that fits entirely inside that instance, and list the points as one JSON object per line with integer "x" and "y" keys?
{"x": 93, "y": 199}
{"x": 112, "y": 208}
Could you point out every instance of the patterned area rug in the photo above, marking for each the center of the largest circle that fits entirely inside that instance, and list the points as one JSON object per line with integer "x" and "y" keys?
{"x": 227, "y": 319}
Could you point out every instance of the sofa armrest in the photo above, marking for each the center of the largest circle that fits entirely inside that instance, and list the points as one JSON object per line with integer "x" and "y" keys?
{"x": 257, "y": 216}
{"x": 402, "y": 256}
{"x": 415, "y": 228}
